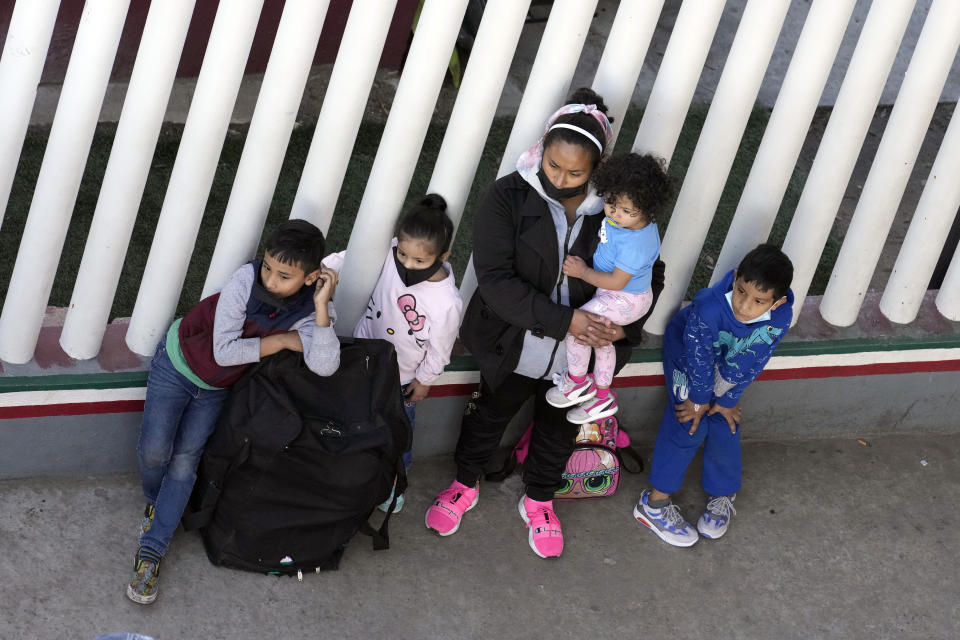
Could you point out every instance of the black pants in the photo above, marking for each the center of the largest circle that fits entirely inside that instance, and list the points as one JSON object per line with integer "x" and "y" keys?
{"x": 485, "y": 420}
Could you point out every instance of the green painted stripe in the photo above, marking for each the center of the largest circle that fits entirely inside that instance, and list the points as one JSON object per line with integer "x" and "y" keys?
{"x": 74, "y": 381}
{"x": 787, "y": 348}
{"x": 865, "y": 345}
{"x": 649, "y": 353}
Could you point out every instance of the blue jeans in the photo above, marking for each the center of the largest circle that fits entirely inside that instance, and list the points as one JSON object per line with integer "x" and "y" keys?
{"x": 178, "y": 417}
{"x": 411, "y": 409}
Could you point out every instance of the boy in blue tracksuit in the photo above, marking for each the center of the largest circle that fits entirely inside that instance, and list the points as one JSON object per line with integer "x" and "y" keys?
{"x": 712, "y": 350}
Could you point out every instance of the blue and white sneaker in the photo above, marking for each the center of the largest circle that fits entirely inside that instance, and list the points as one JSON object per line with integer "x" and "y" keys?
{"x": 386, "y": 503}
{"x": 716, "y": 517}
{"x": 666, "y": 522}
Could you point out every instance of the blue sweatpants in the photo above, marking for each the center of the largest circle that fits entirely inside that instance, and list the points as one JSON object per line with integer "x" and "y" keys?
{"x": 675, "y": 447}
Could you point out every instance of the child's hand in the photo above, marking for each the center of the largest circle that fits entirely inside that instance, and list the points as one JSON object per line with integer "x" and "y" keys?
{"x": 689, "y": 411}
{"x": 417, "y": 391}
{"x": 326, "y": 284}
{"x": 574, "y": 267}
{"x": 732, "y": 415}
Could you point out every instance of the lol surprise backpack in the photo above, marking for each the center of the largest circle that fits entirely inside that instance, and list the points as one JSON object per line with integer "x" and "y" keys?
{"x": 593, "y": 469}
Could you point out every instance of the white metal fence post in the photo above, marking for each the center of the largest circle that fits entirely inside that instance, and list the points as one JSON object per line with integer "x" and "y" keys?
{"x": 397, "y": 154}
{"x": 892, "y": 164}
{"x": 125, "y": 177}
{"x": 24, "y": 52}
{"x": 716, "y": 149}
{"x": 267, "y": 139}
{"x": 59, "y": 181}
{"x": 786, "y": 130}
{"x": 546, "y": 89}
{"x": 926, "y": 236}
{"x": 842, "y": 140}
{"x": 476, "y": 103}
{"x": 343, "y": 106}
{"x": 677, "y": 78}
{"x": 623, "y": 55}
{"x": 948, "y": 299}
{"x": 193, "y": 172}
{"x": 549, "y": 81}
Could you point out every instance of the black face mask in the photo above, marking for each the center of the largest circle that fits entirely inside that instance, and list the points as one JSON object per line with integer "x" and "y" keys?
{"x": 411, "y": 277}
{"x": 559, "y": 194}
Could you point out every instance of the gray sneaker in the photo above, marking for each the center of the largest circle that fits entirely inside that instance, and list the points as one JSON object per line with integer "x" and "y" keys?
{"x": 568, "y": 393}
{"x": 666, "y": 522}
{"x": 716, "y": 517}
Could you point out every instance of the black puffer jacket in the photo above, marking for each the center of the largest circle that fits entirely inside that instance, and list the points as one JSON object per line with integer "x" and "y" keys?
{"x": 515, "y": 256}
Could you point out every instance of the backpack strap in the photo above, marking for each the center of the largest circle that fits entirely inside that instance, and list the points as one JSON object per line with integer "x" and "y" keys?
{"x": 381, "y": 536}
{"x": 518, "y": 453}
{"x": 624, "y": 446}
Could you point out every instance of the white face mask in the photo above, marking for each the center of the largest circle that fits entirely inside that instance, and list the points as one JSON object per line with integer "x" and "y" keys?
{"x": 762, "y": 317}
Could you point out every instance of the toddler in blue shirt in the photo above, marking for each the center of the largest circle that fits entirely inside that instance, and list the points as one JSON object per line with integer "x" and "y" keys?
{"x": 635, "y": 189}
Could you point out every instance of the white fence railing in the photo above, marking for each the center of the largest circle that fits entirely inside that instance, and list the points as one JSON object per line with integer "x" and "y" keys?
{"x": 549, "y": 81}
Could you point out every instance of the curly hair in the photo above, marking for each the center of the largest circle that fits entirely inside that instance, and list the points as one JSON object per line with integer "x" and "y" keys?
{"x": 642, "y": 179}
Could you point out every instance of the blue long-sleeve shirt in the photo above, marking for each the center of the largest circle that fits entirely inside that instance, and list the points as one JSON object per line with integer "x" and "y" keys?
{"x": 721, "y": 355}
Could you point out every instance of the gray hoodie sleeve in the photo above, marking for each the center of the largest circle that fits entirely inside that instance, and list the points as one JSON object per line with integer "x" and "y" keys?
{"x": 321, "y": 347}
{"x": 228, "y": 347}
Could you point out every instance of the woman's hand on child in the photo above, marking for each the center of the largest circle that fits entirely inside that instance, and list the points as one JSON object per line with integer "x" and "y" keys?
{"x": 688, "y": 411}
{"x": 417, "y": 391}
{"x": 588, "y": 328}
{"x": 574, "y": 267}
{"x": 732, "y": 415}
{"x": 596, "y": 331}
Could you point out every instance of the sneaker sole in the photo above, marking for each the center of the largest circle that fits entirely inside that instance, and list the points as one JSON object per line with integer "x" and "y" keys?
{"x": 707, "y": 535}
{"x": 594, "y": 418}
{"x": 526, "y": 521}
{"x": 139, "y": 599}
{"x": 639, "y": 516}
{"x": 455, "y": 528}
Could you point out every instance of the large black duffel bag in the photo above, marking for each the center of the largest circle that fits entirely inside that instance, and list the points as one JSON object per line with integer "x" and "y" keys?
{"x": 298, "y": 462}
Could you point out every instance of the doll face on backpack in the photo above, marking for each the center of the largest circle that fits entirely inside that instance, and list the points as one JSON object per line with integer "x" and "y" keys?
{"x": 589, "y": 473}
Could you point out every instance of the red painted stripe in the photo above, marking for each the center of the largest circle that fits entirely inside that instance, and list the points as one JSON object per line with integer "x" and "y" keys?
{"x": 638, "y": 381}
{"x": 447, "y": 390}
{"x": 451, "y": 390}
{"x": 71, "y": 409}
{"x": 877, "y": 369}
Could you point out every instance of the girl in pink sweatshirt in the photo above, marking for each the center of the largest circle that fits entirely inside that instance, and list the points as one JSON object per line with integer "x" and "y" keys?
{"x": 416, "y": 304}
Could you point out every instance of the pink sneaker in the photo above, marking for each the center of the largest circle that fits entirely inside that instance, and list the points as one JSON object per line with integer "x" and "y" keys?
{"x": 448, "y": 509}
{"x": 546, "y": 536}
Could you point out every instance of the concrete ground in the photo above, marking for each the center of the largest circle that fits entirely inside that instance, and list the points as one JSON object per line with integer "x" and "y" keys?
{"x": 833, "y": 539}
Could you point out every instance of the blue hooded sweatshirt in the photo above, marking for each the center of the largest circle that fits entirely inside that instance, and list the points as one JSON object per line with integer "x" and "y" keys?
{"x": 721, "y": 355}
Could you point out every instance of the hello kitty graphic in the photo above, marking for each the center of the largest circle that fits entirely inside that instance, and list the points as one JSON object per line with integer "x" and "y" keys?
{"x": 415, "y": 321}
{"x": 408, "y": 307}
